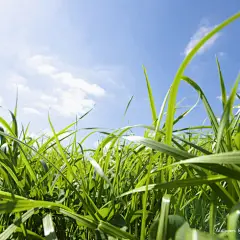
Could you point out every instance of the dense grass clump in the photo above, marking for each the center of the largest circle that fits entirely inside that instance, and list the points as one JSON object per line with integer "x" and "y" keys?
{"x": 168, "y": 184}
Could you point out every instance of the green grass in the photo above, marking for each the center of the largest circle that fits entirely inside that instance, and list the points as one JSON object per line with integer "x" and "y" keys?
{"x": 168, "y": 184}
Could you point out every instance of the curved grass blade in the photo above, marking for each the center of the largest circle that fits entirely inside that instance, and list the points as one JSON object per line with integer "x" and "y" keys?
{"x": 211, "y": 115}
{"x": 174, "y": 152}
{"x": 6, "y": 125}
{"x": 128, "y": 105}
{"x": 12, "y": 174}
{"x": 185, "y": 141}
{"x": 221, "y": 158}
{"x": 192, "y": 128}
{"x": 178, "y": 184}
{"x": 7, "y": 195}
{"x": 13, "y": 227}
{"x": 30, "y": 233}
{"x": 180, "y": 72}
{"x": 24, "y": 205}
{"x": 185, "y": 113}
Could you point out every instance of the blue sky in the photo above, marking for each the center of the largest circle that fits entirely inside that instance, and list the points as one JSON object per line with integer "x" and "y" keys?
{"x": 68, "y": 56}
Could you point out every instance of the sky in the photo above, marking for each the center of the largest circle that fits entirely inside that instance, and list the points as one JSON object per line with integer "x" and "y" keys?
{"x": 66, "y": 57}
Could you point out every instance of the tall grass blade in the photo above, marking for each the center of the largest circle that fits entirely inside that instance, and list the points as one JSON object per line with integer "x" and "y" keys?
{"x": 151, "y": 99}
{"x": 223, "y": 88}
{"x": 180, "y": 72}
{"x": 163, "y": 220}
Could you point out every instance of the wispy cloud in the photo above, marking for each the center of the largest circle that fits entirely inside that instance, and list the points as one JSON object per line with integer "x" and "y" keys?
{"x": 29, "y": 110}
{"x": 58, "y": 89}
{"x": 202, "y": 31}
{"x": 220, "y": 98}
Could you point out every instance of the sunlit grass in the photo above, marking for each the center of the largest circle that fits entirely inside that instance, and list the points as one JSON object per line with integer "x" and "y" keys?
{"x": 168, "y": 184}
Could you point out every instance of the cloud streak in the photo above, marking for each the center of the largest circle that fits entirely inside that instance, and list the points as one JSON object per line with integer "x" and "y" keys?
{"x": 202, "y": 31}
{"x": 29, "y": 110}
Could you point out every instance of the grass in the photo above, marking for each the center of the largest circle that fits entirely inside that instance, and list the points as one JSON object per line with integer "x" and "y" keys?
{"x": 168, "y": 184}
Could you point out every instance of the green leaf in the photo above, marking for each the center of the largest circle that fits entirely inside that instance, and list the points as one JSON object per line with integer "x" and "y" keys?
{"x": 224, "y": 124}
{"x": 221, "y": 158}
{"x": 30, "y": 233}
{"x": 161, "y": 113}
{"x": 223, "y": 89}
{"x": 174, "y": 152}
{"x": 151, "y": 99}
{"x": 178, "y": 184}
{"x": 237, "y": 140}
{"x": 129, "y": 102}
{"x": 212, "y": 117}
{"x": 163, "y": 219}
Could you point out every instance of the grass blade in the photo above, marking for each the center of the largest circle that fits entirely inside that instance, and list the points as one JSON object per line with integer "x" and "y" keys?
{"x": 180, "y": 72}
{"x": 163, "y": 220}
{"x": 223, "y": 89}
{"x": 224, "y": 124}
{"x": 151, "y": 99}
{"x": 48, "y": 227}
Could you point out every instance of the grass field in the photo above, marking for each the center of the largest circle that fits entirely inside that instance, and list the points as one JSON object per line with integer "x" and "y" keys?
{"x": 168, "y": 184}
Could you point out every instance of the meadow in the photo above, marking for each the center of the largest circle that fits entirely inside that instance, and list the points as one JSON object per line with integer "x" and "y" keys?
{"x": 169, "y": 183}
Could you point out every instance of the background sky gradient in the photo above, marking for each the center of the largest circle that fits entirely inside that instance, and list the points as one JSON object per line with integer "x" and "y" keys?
{"x": 68, "y": 56}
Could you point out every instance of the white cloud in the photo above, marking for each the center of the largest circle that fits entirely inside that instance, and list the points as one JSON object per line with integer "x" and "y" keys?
{"x": 68, "y": 79}
{"x": 29, "y": 110}
{"x": 198, "y": 35}
{"x": 47, "y": 98}
{"x": 67, "y": 94}
{"x": 42, "y": 64}
{"x": 17, "y": 79}
{"x": 72, "y": 101}
{"x": 1, "y": 100}
{"x": 56, "y": 89}
{"x": 48, "y": 66}
{"x": 18, "y": 82}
